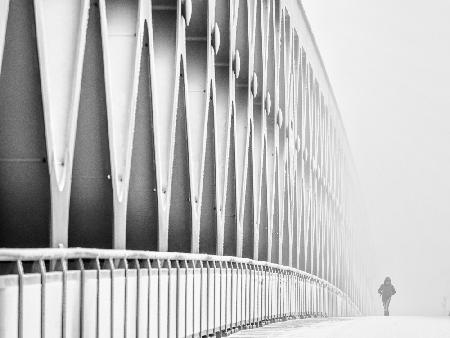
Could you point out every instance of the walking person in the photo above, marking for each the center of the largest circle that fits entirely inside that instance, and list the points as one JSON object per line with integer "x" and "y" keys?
{"x": 386, "y": 290}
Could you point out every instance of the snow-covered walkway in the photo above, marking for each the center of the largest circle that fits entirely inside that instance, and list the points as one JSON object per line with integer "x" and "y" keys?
{"x": 361, "y": 327}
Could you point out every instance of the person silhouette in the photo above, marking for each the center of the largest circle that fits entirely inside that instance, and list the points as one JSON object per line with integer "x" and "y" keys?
{"x": 386, "y": 290}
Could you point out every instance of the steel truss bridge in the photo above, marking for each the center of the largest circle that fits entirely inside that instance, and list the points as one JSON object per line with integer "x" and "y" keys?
{"x": 196, "y": 145}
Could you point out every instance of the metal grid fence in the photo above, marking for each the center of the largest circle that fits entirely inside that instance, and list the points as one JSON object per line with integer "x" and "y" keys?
{"x": 111, "y": 293}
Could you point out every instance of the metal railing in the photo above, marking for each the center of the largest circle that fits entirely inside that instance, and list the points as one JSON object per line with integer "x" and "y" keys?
{"x": 112, "y": 293}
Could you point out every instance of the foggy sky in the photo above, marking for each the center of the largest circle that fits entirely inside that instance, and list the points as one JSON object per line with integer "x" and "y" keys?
{"x": 389, "y": 64}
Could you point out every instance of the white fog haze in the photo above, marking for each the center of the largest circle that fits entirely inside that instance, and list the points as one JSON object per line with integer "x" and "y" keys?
{"x": 389, "y": 64}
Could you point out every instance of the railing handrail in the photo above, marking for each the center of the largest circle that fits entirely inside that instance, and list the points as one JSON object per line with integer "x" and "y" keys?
{"x": 37, "y": 254}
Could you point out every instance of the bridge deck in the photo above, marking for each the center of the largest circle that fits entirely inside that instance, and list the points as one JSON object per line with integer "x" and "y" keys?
{"x": 361, "y": 327}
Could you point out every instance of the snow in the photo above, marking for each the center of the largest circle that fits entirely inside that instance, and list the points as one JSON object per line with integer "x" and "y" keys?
{"x": 360, "y": 327}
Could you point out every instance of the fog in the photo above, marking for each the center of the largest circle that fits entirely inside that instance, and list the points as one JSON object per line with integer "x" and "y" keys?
{"x": 389, "y": 64}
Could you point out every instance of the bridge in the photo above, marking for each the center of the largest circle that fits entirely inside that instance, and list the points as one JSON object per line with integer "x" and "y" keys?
{"x": 353, "y": 327}
{"x": 172, "y": 168}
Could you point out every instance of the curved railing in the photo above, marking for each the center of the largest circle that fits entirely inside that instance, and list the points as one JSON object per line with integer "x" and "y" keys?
{"x": 94, "y": 293}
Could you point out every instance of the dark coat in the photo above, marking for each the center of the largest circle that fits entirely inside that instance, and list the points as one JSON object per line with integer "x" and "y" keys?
{"x": 386, "y": 290}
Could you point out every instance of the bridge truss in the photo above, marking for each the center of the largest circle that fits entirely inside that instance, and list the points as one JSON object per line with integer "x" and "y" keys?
{"x": 173, "y": 126}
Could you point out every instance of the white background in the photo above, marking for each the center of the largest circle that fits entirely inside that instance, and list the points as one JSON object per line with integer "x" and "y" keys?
{"x": 389, "y": 64}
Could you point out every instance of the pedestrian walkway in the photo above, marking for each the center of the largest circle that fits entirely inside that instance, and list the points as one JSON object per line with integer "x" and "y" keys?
{"x": 361, "y": 327}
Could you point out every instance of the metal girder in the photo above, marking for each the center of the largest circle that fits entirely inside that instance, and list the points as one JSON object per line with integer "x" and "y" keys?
{"x": 61, "y": 35}
{"x": 249, "y": 152}
{"x": 4, "y": 9}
